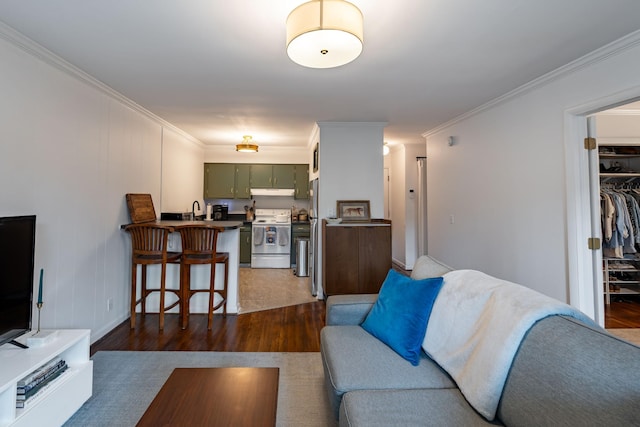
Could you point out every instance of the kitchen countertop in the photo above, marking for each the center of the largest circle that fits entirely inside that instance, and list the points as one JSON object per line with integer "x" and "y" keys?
{"x": 227, "y": 225}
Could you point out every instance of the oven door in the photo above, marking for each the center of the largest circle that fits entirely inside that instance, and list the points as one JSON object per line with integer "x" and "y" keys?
{"x": 271, "y": 246}
{"x": 271, "y": 239}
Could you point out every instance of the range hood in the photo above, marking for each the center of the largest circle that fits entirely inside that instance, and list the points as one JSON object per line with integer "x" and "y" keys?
{"x": 272, "y": 191}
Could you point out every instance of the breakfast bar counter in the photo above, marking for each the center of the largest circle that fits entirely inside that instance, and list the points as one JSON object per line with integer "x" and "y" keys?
{"x": 227, "y": 225}
{"x": 228, "y": 241}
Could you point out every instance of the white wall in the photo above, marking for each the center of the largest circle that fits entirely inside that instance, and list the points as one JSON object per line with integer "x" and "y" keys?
{"x": 351, "y": 165}
{"x": 182, "y": 173}
{"x": 265, "y": 154}
{"x": 350, "y": 168}
{"x": 71, "y": 149}
{"x": 403, "y": 171}
{"x": 398, "y": 179}
{"x": 618, "y": 127}
{"x": 410, "y": 231}
{"x": 505, "y": 179}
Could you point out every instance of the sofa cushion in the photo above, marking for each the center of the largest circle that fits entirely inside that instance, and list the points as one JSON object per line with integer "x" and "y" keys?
{"x": 350, "y": 309}
{"x": 400, "y": 315}
{"x": 567, "y": 373}
{"x": 383, "y": 408}
{"x": 426, "y": 267}
{"x": 353, "y": 359}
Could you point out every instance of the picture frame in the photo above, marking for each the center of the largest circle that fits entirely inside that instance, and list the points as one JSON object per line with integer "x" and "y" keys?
{"x": 353, "y": 210}
{"x": 315, "y": 158}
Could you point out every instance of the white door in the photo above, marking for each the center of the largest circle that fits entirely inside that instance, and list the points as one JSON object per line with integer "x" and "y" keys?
{"x": 596, "y": 229}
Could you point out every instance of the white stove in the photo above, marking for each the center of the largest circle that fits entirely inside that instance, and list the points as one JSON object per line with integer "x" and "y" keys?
{"x": 271, "y": 239}
{"x": 272, "y": 216}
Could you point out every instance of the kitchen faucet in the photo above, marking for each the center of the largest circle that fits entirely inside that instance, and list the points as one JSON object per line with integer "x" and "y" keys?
{"x": 193, "y": 208}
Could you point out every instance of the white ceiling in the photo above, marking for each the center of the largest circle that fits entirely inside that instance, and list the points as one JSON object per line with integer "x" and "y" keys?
{"x": 218, "y": 69}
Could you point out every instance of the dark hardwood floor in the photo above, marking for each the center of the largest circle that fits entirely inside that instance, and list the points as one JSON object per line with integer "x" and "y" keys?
{"x": 622, "y": 313}
{"x": 288, "y": 329}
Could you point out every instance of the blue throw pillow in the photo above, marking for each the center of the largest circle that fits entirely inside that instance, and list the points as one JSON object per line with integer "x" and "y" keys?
{"x": 400, "y": 315}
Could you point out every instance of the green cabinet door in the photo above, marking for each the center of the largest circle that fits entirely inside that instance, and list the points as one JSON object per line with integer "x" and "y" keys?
{"x": 245, "y": 244}
{"x": 261, "y": 176}
{"x": 219, "y": 181}
{"x": 243, "y": 181}
{"x": 283, "y": 176}
{"x": 302, "y": 182}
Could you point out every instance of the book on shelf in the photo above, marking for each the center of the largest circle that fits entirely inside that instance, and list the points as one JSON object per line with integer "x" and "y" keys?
{"x": 40, "y": 376}
{"x": 52, "y": 371}
{"x": 22, "y": 400}
{"x": 40, "y": 372}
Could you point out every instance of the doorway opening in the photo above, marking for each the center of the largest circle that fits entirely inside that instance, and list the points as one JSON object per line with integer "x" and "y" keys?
{"x": 617, "y": 132}
{"x": 585, "y": 265}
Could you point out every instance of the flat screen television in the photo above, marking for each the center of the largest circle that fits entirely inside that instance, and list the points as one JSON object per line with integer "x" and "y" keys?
{"x": 17, "y": 248}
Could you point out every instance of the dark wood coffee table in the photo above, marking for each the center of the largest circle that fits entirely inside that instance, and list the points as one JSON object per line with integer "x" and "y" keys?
{"x": 215, "y": 397}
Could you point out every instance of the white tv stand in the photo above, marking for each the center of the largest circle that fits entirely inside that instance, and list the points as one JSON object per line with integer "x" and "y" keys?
{"x": 63, "y": 397}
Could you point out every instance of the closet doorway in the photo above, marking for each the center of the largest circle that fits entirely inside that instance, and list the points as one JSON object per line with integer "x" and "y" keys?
{"x": 617, "y": 264}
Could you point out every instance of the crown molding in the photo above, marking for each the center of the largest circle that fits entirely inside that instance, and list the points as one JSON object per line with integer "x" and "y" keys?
{"x": 36, "y": 50}
{"x": 614, "y": 48}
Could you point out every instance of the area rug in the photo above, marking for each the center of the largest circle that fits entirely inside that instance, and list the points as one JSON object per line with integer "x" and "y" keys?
{"x": 125, "y": 383}
{"x": 268, "y": 288}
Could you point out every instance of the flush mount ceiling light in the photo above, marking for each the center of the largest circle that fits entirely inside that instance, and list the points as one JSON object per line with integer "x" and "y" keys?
{"x": 247, "y": 146}
{"x": 324, "y": 33}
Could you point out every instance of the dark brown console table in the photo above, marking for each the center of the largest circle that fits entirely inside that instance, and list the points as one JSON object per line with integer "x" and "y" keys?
{"x": 216, "y": 397}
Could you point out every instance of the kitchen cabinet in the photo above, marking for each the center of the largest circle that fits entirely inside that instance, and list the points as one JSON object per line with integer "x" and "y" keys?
{"x": 272, "y": 176}
{"x": 298, "y": 230}
{"x": 227, "y": 181}
{"x": 245, "y": 244}
{"x": 261, "y": 176}
{"x": 355, "y": 257}
{"x": 284, "y": 176}
{"x": 234, "y": 181}
{"x": 219, "y": 180}
{"x": 243, "y": 181}
{"x": 301, "y": 186}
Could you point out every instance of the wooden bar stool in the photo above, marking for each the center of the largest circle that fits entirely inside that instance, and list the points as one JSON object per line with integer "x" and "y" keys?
{"x": 199, "y": 244}
{"x": 149, "y": 246}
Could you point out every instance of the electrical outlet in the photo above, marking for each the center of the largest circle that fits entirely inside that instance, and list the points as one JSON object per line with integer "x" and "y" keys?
{"x": 109, "y": 304}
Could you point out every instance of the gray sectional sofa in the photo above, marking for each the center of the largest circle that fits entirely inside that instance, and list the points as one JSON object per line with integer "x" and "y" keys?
{"x": 565, "y": 372}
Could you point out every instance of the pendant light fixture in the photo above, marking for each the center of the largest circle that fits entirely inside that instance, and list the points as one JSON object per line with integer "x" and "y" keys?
{"x": 247, "y": 146}
{"x": 324, "y": 33}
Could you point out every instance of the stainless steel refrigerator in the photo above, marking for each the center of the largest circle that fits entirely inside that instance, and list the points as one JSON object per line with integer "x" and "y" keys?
{"x": 313, "y": 247}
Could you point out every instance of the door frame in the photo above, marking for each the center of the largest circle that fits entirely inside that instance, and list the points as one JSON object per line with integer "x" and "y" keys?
{"x": 584, "y": 274}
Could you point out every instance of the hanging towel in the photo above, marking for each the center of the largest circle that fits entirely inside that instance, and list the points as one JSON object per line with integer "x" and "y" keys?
{"x": 258, "y": 236}
{"x": 283, "y": 236}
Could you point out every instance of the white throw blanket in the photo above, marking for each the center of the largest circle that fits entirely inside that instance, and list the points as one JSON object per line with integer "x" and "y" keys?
{"x": 476, "y": 327}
